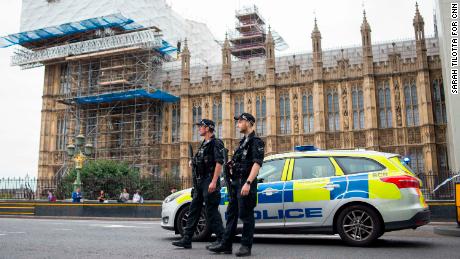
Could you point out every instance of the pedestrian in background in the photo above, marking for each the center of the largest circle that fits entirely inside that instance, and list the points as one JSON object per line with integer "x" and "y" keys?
{"x": 76, "y": 195}
{"x": 137, "y": 198}
{"x": 101, "y": 197}
{"x": 51, "y": 197}
{"x": 124, "y": 196}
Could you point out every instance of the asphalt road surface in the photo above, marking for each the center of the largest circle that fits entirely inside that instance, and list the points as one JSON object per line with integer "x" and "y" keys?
{"x": 56, "y": 238}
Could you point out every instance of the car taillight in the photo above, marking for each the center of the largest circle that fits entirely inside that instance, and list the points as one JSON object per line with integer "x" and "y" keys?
{"x": 402, "y": 181}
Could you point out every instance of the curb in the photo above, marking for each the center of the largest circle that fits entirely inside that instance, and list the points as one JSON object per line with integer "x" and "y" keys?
{"x": 79, "y": 218}
{"x": 453, "y": 231}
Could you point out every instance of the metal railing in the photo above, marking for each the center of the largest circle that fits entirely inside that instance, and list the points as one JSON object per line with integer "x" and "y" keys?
{"x": 435, "y": 186}
{"x": 151, "y": 188}
{"x": 439, "y": 185}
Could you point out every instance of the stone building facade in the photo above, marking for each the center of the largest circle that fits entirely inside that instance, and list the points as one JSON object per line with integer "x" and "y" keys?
{"x": 387, "y": 97}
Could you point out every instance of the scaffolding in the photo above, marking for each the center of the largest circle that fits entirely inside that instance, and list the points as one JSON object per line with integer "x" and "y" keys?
{"x": 248, "y": 39}
{"x": 113, "y": 98}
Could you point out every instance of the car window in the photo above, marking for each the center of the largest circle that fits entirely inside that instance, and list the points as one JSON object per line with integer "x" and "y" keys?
{"x": 271, "y": 171}
{"x": 312, "y": 167}
{"x": 354, "y": 165}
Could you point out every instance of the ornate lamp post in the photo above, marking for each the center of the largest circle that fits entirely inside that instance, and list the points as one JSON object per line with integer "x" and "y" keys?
{"x": 79, "y": 153}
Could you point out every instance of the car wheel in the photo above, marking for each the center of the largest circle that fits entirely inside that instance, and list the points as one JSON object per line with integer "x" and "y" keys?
{"x": 201, "y": 231}
{"x": 358, "y": 225}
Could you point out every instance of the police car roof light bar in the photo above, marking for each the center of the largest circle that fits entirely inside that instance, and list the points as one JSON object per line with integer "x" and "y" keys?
{"x": 305, "y": 148}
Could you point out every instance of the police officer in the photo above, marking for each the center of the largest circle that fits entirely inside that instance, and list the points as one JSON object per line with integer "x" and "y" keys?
{"x": 207, "y": 164}
{"x": 245, "y": 164}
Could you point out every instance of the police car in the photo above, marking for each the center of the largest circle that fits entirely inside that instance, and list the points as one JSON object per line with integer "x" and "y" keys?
{"x": 358, "y": 194}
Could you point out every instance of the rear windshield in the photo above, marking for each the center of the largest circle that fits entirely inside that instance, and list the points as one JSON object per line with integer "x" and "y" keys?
{"x": 401, "y": 164}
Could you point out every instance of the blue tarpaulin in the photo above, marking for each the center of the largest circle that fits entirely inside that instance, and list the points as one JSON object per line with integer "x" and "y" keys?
{"x": 127, "y": 95}
{"x": 109, "y": 21}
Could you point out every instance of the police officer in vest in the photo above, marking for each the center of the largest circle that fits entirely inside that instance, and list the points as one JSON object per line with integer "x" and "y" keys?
{"x": 244, "y": 166}
{"x": 207, "y": 164}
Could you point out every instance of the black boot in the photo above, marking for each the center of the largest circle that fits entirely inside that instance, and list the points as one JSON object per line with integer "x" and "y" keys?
{"x": 221, "y": 248}
{"x": 215, "y": 243}
{"x": 244, "y": 251}
{"x": 184, "y": 242}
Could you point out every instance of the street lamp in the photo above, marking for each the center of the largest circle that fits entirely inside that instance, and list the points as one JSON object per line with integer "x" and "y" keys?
{"x": 79, "y": 153}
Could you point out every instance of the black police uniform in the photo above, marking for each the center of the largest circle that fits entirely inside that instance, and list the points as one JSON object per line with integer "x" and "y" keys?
{"x": 209, "y": 153}
{"x": 250, "y": 151}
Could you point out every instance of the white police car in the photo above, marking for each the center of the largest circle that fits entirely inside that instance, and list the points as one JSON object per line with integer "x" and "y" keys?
{"x": 358, "y": 194}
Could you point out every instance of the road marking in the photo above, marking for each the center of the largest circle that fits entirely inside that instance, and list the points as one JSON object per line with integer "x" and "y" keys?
{"x": 63, "y": 229}
{"x": 116, "y": 226}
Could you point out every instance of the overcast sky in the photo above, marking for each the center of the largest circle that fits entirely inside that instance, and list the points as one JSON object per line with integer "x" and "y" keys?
{"x": 338, "y": 21}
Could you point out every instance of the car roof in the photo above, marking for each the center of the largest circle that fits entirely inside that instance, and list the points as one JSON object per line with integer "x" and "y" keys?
{"x": 355, "y": 152}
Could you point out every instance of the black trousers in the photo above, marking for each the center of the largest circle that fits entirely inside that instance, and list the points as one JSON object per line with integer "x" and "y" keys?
{"x": 240, "y": 207}
{"x": 211, "y": 201}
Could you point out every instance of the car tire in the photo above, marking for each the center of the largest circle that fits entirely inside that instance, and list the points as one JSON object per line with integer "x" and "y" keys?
{"x": 201, "y": 232}
{"x": 359, "y": 225}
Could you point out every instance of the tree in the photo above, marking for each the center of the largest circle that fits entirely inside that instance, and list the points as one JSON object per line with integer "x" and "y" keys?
{"x": 96, "y": 175}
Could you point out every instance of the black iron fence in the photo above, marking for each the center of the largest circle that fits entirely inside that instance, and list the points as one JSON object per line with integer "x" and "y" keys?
{"x": 151, "y": 188}
{"x": 436, "y": 186}
{"x": 439, "y": 185}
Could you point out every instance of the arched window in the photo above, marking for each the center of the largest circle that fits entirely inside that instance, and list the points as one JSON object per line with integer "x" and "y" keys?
{"x": 196, "y": 114}
{"x": 307, "y": 113}
{"x": 175, "y": 124}
{"x": 239, "y": 108}
{"x": 410, "y": 99}
{"x": 261, "y": 113}
{"x": 217, "y": 117}
{"x": 333, "y": 111}
{"x": 417, "y": 162}
{"x": 358, "y": 108}
{"x": 61, "y": 141}
{"x": 285, "y": 117}
{"x": 439, "y": 102}
{"x": 384, "y": 105}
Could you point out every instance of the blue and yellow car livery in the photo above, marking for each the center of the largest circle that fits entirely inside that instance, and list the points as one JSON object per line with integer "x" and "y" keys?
{"x": 358, "y": 194}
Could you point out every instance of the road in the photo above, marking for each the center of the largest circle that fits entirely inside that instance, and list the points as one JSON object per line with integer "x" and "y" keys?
{"x": 58, "y": 238}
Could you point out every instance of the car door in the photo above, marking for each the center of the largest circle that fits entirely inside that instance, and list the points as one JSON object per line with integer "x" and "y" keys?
{"x": 269, "y": 210}
{"x": 310, "y": 191}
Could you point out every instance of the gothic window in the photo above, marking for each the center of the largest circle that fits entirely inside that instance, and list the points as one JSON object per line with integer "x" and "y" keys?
{"x": 217, "y": 117}
{"x": 196, "y": 114}
{"x": 175, "y": 124}
{"x": 65, "y": 79}
{"x": 384, "y": 105}
{"x": 61, "y": 133}
{"x": 239, "y": 108}
{"x": 358, "y": 108}
{"x": 307, "y": 113}
{"x": 285, "y": 117}
{"x": 439, "y": 102}
{"x": 442, "y": 159}
{"x": 410, "y": 99}
{"x": 333, "y": 111}
{"x": 261, "y": 116}
{"x": 417, "y": 162}
{"x": 175, "y": 172}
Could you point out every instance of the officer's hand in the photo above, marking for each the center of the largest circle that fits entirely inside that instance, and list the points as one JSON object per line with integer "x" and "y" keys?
{"x": 212, "y": 187}
{"x": 190, "y": 163}
{"x": 245, "y": 189}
